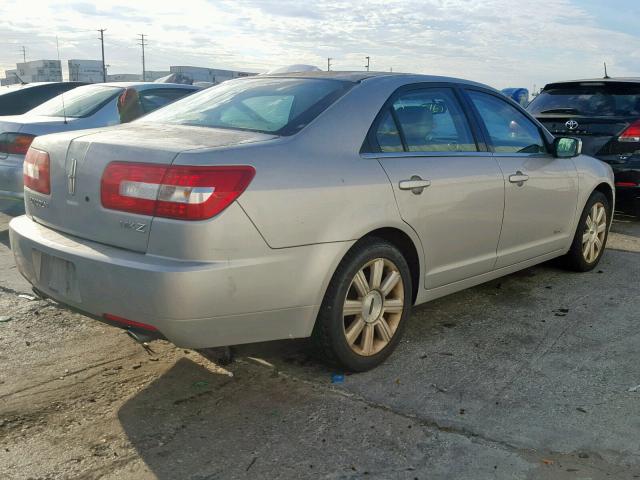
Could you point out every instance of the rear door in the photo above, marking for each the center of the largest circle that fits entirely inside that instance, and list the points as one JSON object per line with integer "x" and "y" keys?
{"x": 541, "y": 191}
{"x": 447, "y": 188}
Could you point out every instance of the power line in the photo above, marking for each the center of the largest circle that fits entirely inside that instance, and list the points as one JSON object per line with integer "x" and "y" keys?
{"x": 329, "y": 64}
{"x": 24, "y": 54}
{"x": 368, "y": 62}
{"x": 104, "y": 67}
{"x": 142, "y": 44}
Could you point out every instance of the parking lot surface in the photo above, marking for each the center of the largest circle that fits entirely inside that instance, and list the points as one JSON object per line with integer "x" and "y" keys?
{"x": 532, "y": 376}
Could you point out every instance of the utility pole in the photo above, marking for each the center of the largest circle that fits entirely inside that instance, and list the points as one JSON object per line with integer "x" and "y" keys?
{"x": 24, "y": 54}
{"x": 142, "y": 44}
{"x": 368, "y": 62}
{"x": 104, "y": 68}
{"x": 329, "y": 64}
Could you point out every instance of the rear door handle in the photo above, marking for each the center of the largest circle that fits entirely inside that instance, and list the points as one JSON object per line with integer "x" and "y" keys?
{"x": 518, "y": 178}
{"x": 415, "y": 184}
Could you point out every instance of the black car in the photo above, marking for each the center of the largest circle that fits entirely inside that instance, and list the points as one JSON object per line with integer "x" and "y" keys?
{"x": 19, "y": 99}
{"x": 605, "y": 115}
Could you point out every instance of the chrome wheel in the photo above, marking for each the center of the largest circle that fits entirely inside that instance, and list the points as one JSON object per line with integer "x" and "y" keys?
{"x": 373, "y": 307}
{"x": 594, "y": 232}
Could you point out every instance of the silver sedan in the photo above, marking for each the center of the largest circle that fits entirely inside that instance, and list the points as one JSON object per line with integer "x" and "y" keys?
{"x": 312, "y": 204}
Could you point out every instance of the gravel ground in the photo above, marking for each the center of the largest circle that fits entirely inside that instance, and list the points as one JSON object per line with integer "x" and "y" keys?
{"x": 531, "y": 376}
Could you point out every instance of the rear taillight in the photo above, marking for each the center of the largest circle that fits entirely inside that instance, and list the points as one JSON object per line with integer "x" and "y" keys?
{"x": 36, "y": 171}
{"x": 15, "y": 143}
{"x": 182, "y": 192}
{"x": 631, "y": 134}
{"x": 626, "y": 184}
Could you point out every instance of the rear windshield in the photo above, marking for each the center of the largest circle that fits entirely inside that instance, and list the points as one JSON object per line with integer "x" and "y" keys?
{"x": 281, "y": 106}
{"x": 598, "y": 100}
{"x": 79, "y": 102}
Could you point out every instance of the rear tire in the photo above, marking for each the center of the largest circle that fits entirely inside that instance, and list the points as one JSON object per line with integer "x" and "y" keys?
{"x": 365, "y": 308}
{"x": 591, "y": 234}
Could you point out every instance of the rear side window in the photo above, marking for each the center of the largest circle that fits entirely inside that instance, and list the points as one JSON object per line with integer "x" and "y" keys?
{"x": 281, "y": 106}
{"x": 152, "y": 99}
{"x": 388, "y": 136}
{"x": 510, "y": 131}
{"x": 590, "y": 99}
{"x": 426, "y": 120}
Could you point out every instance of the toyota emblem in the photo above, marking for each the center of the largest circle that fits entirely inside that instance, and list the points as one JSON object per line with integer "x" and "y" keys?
{"x": 571, "y": 124}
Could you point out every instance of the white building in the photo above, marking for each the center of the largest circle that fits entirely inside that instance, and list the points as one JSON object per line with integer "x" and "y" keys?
{"x": 85, "y": 71}
{"x": 151, "y": 75}
{"x": 124, "y": 77}
{"x": 10, "y": 77}
{"x": 211, "y": 75}
{"x": 40, "y": 71}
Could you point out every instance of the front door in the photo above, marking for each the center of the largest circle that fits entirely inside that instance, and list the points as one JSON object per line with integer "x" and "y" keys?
{"x": 541, "y": 191}
{"x": 451, "y": 193}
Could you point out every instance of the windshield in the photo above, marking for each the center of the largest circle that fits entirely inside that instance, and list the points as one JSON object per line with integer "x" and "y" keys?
{"x": 79, "y": 102}
{"x": 602, "y": 100}
{"x": 281, "y": 106}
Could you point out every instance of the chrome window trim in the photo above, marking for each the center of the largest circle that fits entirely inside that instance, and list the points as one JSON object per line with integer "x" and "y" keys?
{"x": 375, "y": 155}
{"x": 523, "y": 155}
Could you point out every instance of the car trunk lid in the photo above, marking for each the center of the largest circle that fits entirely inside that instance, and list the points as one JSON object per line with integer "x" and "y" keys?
{"x": 77, "y": 166}
{"x": 599, "y": 135}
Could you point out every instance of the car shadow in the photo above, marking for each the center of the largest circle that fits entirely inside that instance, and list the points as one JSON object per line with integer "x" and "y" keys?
{"x": 196, "y": 423}
{"x": 4, "y": 238}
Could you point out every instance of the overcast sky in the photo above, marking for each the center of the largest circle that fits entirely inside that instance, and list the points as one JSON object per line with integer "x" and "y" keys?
{"x": 499, "y": 42}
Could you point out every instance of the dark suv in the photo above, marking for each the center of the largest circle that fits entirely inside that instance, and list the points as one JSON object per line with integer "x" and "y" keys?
{"x": 605, "y": 115}
{"x": 19, "y": 99}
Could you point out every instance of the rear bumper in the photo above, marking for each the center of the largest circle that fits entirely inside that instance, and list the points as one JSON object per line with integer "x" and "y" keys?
{"x": 11, "y": 185}
{"x": 193, "y": 304}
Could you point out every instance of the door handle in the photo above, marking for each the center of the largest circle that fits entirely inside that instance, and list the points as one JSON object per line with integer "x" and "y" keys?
{"x": 415, "y": 184}
{"x": 518, "y": 178}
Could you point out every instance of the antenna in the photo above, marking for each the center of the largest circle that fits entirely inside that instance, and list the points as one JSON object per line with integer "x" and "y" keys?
{"x": 605, "y": 71}
{"x": 64, "y": 110}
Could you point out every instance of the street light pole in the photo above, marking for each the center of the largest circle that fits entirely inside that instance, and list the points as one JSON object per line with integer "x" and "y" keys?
{"x": 104, "y": 68}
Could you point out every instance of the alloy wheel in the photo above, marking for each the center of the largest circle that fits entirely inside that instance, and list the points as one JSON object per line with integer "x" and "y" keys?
{"x": 594, "y": 232}
{"x": 373, "y": 307}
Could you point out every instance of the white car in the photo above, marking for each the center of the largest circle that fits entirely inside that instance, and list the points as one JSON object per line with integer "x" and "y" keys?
{"x": 90, "y": 106}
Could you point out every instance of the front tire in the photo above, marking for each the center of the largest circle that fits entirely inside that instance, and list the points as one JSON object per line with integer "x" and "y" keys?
{"x": 365, "y": 308}
{"x": 591, "y": 235}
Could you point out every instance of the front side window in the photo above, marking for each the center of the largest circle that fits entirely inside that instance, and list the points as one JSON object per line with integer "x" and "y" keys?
{"x": 428, "y": 120}
{"x": 282, "y": 106}
{"x": 509, "y": 130}
{"x": 79, "y": 102}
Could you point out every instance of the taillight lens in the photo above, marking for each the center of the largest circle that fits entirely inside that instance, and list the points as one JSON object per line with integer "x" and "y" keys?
{"x": 182, "y": 192}
{"x": 631, "y": 134}
{"x": 36, "y": 171}
{"x": 15, "y": 143}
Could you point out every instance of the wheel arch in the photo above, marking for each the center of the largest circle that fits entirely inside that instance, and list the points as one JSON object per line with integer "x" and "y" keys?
{"x": 403, "y": 242}
{"x": 607, "y": 191}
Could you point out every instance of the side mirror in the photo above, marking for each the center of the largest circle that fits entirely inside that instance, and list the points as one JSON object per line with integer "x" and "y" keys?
{"x": 567, "y": 147}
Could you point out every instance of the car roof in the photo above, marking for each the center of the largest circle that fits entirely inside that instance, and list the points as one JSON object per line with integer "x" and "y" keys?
{"x": 592, "y": 81}
{"x": 149, "y": 84}
{"x": 21, "y": 86}
{"x": 357, "y": 76}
